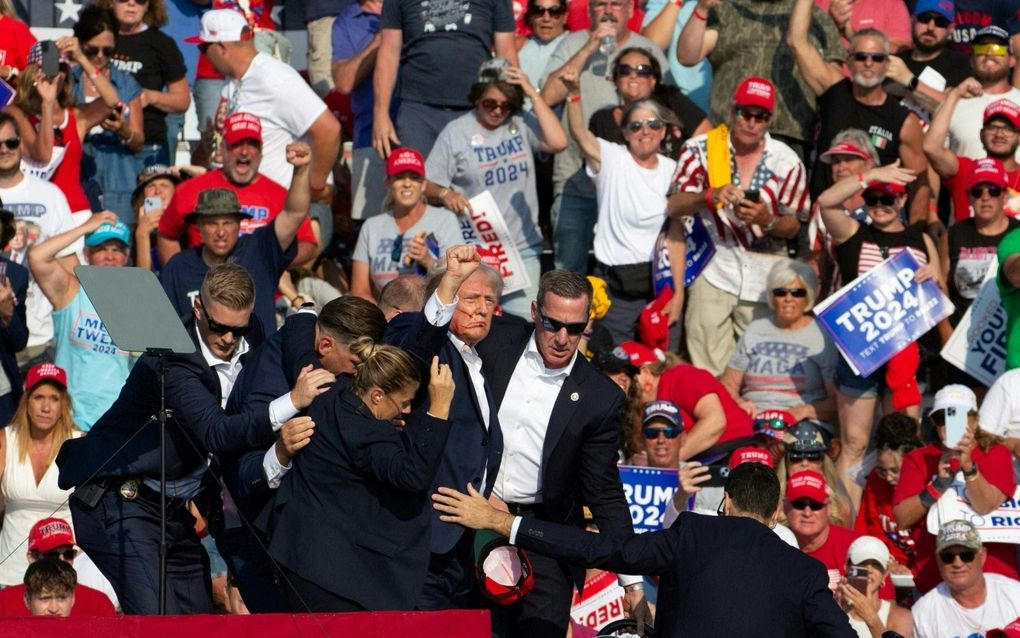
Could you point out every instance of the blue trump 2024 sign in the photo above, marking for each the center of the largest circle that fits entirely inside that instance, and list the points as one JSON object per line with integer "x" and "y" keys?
{"x": 881, "y": 312}
{"x": 647, "y": 489}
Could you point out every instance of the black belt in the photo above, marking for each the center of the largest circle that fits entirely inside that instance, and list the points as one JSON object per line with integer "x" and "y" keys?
{"x": 524, "y": 509}
{"x": 133, "y": 489}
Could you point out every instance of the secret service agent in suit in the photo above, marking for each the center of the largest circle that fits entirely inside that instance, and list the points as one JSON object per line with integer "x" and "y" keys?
{"x": 13, "y": 329}
{"x": 252, "y": 478}
{"x": 353, "y": 533}
{"x": 462, "y": 296}
{"x": 116, "y": 467}
{"x": 718, "y": 575}
{"x": 560, "y": 419}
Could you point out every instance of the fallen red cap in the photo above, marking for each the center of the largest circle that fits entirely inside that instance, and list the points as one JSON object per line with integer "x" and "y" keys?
{"x": 886, "y": 187}
{"x": 843, "y": 148}
{"x": 49, "y": 534}
{"x": 638, "y": 354}
{"x": 755, "y": 91}
{"x": 987, "y": 170}
{"x": 653, "y": 328}
{"x": 750, "y": 454}
{"x": 807, "y": 484}
{"x": 1006, "y": 109}
{"x": 405, "y": 159}
{"x": 45, "y": 372}
{"x": 1012, "y": 630}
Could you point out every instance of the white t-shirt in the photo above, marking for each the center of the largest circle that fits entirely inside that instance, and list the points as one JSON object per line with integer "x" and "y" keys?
{"x": 40, "y": 211}
{"x": 965, "y": 126}
{"x": 937, "y": 615}
{"x": 1000, "y": 411}
{"x": 632, "y": 205}
{"x": 283, "y": 101}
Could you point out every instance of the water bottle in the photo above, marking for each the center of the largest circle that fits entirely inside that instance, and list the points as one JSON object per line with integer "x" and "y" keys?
{"x": 607, "y": 45}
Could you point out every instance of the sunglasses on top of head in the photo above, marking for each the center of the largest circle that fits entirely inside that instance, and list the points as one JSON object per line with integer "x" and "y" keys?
{"x": 552, "y": 325}
{"x": 652, "y": 432}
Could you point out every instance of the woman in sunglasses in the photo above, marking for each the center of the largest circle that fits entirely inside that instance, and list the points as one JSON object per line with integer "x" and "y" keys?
{"x": 631, "y": 183}
{"x": 491, "y": 148}
{"x": 859, "y": 248}
{"x": 109, "y": 166}
{"x": 807, "y": 445}
{"x": 786, "y": 361}
{"x": 28, "y": 476}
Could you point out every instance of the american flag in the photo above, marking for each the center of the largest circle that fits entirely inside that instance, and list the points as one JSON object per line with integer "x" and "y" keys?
{"x": 64, "y": 13}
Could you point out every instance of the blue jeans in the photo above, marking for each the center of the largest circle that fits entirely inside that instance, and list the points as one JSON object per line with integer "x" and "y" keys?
{"x": 206, "y": 92}
{"x": 575, "y": 231}
{"x": 418, "y": 125}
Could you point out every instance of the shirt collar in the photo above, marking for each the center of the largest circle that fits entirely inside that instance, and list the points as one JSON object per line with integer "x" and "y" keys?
{"x": 212, "y": 360}
{"x": 532, "y": 353}
{"x": 460, "y": 345}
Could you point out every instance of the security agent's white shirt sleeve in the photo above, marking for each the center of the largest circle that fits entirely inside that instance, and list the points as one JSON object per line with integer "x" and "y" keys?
{"x": 272, "y": 468}
{"x": 622, "y": 579}
{"x": 281, "y": 410}
{"x": 513, "y": 530}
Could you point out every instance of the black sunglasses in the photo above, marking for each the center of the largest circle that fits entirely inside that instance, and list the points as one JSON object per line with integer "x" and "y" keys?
{"x": 977, "y": 191}
{"x": 552, "y": 325}
{"x": 91, "y": 51}
{"x": 11, "y": 143}
{"x": 66, "y": 554}
{"x": 797, "y": 457}
{"x": 652, "y": 433}
{"x": 799, "y": 293}
{"x": 653, "y": 123}
{"x": 216, "y": 327}
{"x": 490, "y": 104}
{"x": 940, "y": 21}
{"x": 806, "y": 503}
{"x": 398, "y": 247}
{"x": 555, "y": 12}
{"x": 873, "y": 199}
{"x": 863, "y": 56}
{"x": 757, "y": 116}
{"x": 642, "y": 70}
{"x": 949, "y": 558}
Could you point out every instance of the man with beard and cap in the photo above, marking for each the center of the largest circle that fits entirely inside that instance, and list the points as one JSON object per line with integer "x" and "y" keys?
{"x": 861, "y": 102}
{"x": 990, "y": 62}
{"x": 931, "y": 27}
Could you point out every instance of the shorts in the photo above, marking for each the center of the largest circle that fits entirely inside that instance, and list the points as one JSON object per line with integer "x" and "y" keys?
{"x": 858, "y": 387}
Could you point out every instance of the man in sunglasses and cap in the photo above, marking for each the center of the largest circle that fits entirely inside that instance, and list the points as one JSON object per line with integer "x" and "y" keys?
{"x": 968, "y": 601}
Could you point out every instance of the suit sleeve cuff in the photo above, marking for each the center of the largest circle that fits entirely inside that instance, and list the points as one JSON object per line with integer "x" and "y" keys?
{"x": 437, "y": 313}
{"x": 670, "y": 514}
{"x": 281, "y": 410}
{"x": 513, "y": 530}
{"x": 272, "y": 468}
{"x": 627, "y": 579}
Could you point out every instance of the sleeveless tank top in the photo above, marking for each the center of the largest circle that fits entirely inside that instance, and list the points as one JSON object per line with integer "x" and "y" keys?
{"x": 67, "y": 176}
{"x": 861, "y": 627}
{"x": 869, "y": 247}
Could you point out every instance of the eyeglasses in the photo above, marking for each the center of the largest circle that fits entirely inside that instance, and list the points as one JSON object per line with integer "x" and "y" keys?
{"x": 990, "y": 49}
{"x": 977, "y": 192}
{"x": 1000, "y": 128}
{"x": 940, "y": 20}
{"x": 670, "y": 431}
{"x": 652, "y": 123}
{"x": 873, "y": 199}
{"x": 490, "y": 104}
{"x": 398, "y": 247}
{"x": 554, "y": 12}
{"x": 949, "y": 558}
{"x": 552, "y": 325}
{"x": 218, "y": 328}
{"x": 12, "y": 143}
{"x": 91, "y": 51}
{"x": 807, "y": 503}
{"x": 641, "y": 70}
{"x": 864, "y": 56}
{"x": 799, "y": 293}
{"x": 757, "y": 116}
{"x": 797, "y": 457}
{"x": 63, "y": 554}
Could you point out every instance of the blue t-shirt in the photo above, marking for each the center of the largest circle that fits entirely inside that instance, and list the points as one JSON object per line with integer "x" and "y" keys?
{"x": 353, "y": 30}
{"x": 695, "y": 81}
{"x": 259, "y": 253}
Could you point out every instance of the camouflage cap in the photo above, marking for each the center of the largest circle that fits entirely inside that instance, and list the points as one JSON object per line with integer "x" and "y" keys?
{"x": 958, "y": 532}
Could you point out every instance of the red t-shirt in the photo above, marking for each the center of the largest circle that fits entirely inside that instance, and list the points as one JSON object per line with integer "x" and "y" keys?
{"x": 875, "y": 518}
{"x": 263, "y": 199}
{"x": 67, "y": 176}
{"x": 957, "y": 185}
{"x": 87, "y": 602}
{"x": 15, "y": 41}
{"x": 919, "y": 466}
{"x": 261, "y": 16}
{"x": 685, "y": 385}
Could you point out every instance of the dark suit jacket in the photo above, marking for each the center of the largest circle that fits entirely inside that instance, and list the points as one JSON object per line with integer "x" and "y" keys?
{"x": 14, "y": 337}
{"x": 579, "y": 454}
{"x": 199, "y": 425}
{"x": 719, "y": 576}
{"x": 471, "y": 449}
{"x": 354, "y": 519}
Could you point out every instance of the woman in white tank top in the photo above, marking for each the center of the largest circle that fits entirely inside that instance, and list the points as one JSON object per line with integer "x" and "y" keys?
{"x": 867, "y": 566}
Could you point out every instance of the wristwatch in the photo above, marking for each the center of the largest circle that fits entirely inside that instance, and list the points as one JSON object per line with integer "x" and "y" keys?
{"x": 912, "y": 84}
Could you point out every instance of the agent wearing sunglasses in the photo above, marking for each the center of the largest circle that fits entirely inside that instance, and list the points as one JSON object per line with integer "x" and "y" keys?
{"x": 978, "y": 466}
{"x": 860, "y": 102}
{"x": 52, "y": 538}
{"x": 969, "y": 600}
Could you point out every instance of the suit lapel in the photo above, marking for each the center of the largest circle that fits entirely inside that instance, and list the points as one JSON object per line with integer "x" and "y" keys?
{"x": 571, "y": 395}
{"x": 466, "y": 372}
{"x": 504, "y": 369}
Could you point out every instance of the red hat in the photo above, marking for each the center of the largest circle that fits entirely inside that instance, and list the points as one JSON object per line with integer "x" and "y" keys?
{"x": 807, "y": 484}
{"x": 242, "y": 126}
{"x": 504, "y": 572}
{"x": 987, "y": 170}
{"x": 405, "y": 159}
{"x": 1006, "y": 109}
{"x": 1012, "y": 630}
{"x": 773, "y": 423}
{"x": 886, "y": 187}
{"x": 653, "y": 328}
{"x": 843, "y": 148}
{"x": 756, "y": 91}
{"x": 750, "y": 454}
{"x": 638, "y": 354}
{"x": 49, "y": 534}
{"x": 45, "y": 372}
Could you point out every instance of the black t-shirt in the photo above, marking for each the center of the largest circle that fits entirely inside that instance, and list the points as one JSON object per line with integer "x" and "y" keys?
{"x": 970, "y": 254}
{"x": 603, "y": 123}
{"x": 952, "y": 65}
{"x": 154, "y": 59}
{"x": 838, "y": 111}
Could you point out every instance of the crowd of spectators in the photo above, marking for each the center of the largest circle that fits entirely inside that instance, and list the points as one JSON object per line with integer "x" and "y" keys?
{"x": 683, "y": 182}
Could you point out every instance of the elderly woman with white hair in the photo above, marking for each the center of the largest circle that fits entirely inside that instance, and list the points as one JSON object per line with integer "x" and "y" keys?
{"x": 786, "y": 361}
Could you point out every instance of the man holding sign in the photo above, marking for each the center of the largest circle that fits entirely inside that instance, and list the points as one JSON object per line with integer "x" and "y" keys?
{"x": 859, "y": 248}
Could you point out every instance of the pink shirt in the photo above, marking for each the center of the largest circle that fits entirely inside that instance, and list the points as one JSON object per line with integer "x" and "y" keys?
{"x": 891, "y": 18}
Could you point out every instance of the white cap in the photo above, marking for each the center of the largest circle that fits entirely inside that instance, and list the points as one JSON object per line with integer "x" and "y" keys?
{"x": 222, "y": 25}
{"x": 868, "y": 548}
{"x": 955, "y": 396}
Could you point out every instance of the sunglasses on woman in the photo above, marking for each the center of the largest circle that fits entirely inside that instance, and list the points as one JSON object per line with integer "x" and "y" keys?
{"x": 797, "y": 457}
{"x": 641, "y": 70}
{"x": 864, "y": 56}
{"x": 490, "y": 104}
{"x": 91, "y": 51}
{"x": 653, "y": 123}
{"x": 874, "y": 199}
{"x": 553, "y": 12}
{"x": 977, "y": 192}
{"x": 799, "y": 293}
{"x": 949, "y": 558}
{"x": 552, "y": 325}
{"x": 806, "y": 503}
{"x": 670, "y": 431}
